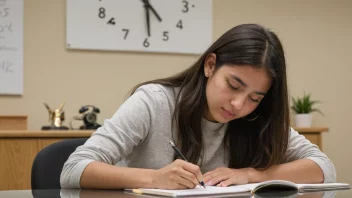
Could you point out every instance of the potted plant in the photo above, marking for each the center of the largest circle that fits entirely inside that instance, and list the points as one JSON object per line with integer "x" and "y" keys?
{"x": 303, "y": 107}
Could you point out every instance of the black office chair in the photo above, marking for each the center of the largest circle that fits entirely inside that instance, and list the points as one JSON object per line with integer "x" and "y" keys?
{"x": 48, "y": 163}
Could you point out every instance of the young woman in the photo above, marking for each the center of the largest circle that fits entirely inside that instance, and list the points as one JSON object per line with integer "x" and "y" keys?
{"x": 228, "y": 114}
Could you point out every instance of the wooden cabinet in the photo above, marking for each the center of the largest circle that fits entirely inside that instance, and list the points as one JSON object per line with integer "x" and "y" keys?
{"x": 313, "y": 134}
{"x": 19, "y": 148}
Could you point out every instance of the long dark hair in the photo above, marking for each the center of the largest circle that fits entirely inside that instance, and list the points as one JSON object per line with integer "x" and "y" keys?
{"x": 260, "y": 143}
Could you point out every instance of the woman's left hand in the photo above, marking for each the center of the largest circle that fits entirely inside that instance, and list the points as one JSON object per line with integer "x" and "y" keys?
{"x": 226, "y": 176}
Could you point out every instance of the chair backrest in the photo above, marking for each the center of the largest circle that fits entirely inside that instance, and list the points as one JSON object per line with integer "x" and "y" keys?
{"x": 48, "y": 163}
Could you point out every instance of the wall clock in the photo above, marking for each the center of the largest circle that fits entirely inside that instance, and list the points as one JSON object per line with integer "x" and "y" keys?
{"x": 173, "y": 26}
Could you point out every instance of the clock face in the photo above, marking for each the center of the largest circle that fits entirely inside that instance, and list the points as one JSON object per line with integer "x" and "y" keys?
{"x": 180, "y": 26}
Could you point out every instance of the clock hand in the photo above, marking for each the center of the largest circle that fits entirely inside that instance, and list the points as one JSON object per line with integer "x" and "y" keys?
{"x": 146, "y": 2}
{"x": 148, "y": 20}
{"x": 146, "y": 7}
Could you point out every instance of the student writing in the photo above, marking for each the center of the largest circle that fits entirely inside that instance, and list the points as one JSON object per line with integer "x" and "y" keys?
{"x": 228, "y": 114}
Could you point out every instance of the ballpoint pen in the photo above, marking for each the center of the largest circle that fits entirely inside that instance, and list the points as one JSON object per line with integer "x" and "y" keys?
{"x": 179, "y": 154}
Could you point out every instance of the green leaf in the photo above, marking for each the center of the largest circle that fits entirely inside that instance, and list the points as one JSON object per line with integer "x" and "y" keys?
{"x": 317, "y": 110}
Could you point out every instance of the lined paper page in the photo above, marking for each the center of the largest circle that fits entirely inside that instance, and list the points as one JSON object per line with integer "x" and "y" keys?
{"x": 210, "y": 190}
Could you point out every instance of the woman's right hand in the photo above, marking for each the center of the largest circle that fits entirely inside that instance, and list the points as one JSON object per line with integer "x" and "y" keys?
{"x": 177, "y": 175}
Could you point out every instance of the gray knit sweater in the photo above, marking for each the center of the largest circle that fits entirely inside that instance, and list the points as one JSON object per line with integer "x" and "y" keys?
{"x": 137, "y": 136}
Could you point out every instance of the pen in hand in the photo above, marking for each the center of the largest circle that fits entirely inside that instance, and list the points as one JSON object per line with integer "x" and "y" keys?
{"x": 179, "y": 154}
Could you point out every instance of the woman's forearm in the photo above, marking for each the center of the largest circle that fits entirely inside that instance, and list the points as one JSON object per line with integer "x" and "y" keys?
{"x": 105, "y": 176}
{"x": 299, "y": 171}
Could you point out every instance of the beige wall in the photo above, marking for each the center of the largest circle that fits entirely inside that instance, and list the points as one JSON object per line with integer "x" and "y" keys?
{"x": 316, "y": 35}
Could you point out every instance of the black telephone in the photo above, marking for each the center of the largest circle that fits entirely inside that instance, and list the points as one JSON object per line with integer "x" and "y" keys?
{"x": 89, "y": 117}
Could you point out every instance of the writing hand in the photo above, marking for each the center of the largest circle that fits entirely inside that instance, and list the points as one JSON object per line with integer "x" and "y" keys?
{"x": 178, "y": 175}
{"x": 226, "y": 176}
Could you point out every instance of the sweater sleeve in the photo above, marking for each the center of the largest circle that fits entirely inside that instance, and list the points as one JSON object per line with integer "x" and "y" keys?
{"x": 118, "y": 136}
{"x": 299, "y": 148}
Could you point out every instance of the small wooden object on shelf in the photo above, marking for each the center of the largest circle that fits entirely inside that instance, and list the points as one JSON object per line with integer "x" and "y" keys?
{"x": 13, "y": 122}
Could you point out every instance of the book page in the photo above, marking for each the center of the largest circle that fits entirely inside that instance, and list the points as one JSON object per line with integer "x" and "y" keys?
{"x": 250, "y": 187}
{"x": 210, "y": 190}
{"x": 324, "y": 186}
{"x": 283, "y": 184}
{"x": 275, "y": 184}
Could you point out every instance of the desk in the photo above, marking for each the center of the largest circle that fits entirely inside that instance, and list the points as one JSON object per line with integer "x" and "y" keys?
{"x": 19, "y": 148}
{"x": 77, "y": 193}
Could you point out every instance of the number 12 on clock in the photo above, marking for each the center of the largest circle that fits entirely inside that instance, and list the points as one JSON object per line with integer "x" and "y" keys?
{"x": 171, "y": 26}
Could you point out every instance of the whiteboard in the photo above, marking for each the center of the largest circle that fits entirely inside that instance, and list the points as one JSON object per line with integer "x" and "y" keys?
{"x": 11, "y": 47}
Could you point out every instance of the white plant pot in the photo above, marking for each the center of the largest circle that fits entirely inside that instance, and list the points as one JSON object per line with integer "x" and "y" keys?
{"x": 303, "y": 120}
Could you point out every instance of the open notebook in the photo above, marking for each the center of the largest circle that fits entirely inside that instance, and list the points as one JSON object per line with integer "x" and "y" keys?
{"x": 250, "y": 188}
